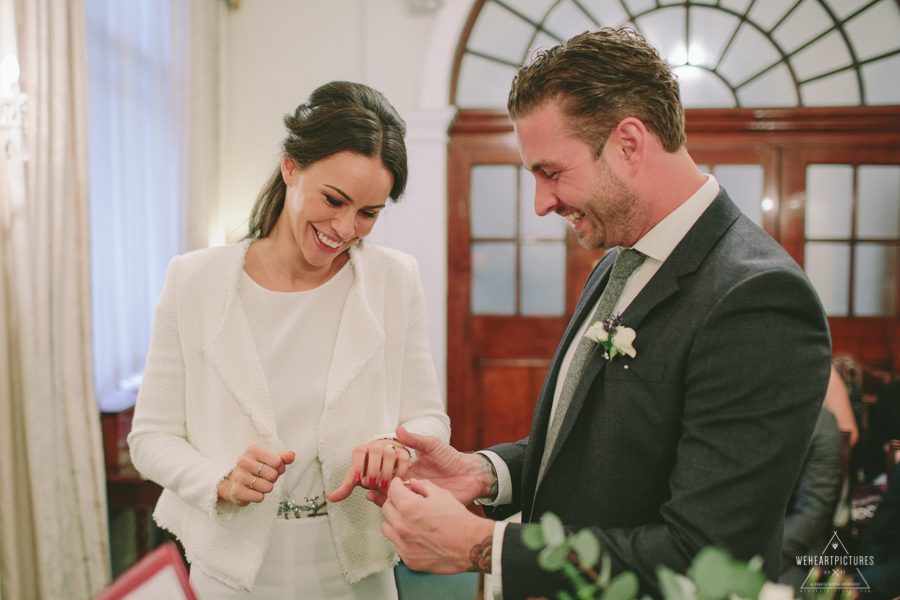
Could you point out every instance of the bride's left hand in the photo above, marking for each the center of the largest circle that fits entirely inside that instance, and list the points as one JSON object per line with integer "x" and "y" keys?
{"x": 372, "y": 466}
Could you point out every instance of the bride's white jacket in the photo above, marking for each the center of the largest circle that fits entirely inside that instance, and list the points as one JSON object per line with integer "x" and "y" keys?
{"x": 204, "y": 400}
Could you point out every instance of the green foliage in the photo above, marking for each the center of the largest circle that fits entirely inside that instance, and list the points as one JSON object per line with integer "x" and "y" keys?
{"x": 717, "y": 577}
{"x": 713, "y": 575}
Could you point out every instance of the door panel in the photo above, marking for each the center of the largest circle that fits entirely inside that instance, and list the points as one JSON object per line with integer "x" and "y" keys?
{"x": 514, "y": 281}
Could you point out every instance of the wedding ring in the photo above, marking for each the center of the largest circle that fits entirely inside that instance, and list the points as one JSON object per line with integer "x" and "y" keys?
{"x": 391, "y": 446}
{"x": 259, "y": 470}
{"x": 254, "y": 481}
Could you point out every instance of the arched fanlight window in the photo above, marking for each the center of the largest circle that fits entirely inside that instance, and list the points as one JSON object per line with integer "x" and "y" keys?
{"x": 727, "y": 53}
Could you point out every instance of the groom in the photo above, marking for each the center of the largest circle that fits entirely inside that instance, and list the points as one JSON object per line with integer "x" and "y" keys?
{"x": 697, "y": 439}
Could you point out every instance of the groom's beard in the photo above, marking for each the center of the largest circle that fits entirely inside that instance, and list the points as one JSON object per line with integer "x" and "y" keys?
{"x": 611, "y": 212}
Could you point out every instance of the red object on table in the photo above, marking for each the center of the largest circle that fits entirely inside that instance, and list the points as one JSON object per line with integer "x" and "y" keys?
{"x": 139, "y": 576}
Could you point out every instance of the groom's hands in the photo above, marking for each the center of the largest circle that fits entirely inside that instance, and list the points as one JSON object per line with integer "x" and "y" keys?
{"x": 466, "y": 476}
{"x": 433, "y": 532}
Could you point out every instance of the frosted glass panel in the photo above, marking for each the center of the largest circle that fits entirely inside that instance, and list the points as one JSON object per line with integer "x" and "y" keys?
{"x": 638, "y": 6}
{"x": 828, "y": 268}
{"x": 541, "y": 41}
{"x": 551, "y": 226}
{"x": 749, "y": 54}
{"x": 882, "y": 81}
{"x": 568, "y": 20}
{"x": 700, "y": 88}
{"x": 767, "y": 13}
{"x": 802, "y": 25}
{"x": 829, "y": 198}
{"x": 775, "y": 88}
{"x": 493, "y": 201}
{"x": 483, "y": 83}
{"x": 500, "y": 33}
{"x": 824, "y": 55}
{"x": 878, "y": 214}
{"x": 493, "y": 278}
{"x": 844, "y": 8}
{"x": 666, "y": 29}
{"x": 606, "y": 12}
{"x": 875, "y": 31}
{"x": 710, "y": 32}
{"x": 840, "y": 89}
{"x": 744, "y": 184}
{"x": 544, "y": 279}
{"x": 533, "y": 9}
{"x": 875, "y": 288}
{"x": 738, "y": 6}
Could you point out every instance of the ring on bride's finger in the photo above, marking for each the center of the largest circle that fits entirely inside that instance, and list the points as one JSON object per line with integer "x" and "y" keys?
{"x": 251, "y": 483}
{"x": 259, "y": 470}
{"x": 390, "y": 446}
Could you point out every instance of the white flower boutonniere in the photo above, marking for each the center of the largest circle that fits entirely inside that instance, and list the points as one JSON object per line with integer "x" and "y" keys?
{"x": 615, "y": 338}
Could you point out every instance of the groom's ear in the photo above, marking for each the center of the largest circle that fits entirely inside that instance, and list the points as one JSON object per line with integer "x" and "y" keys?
{"x": 627, "y": 146}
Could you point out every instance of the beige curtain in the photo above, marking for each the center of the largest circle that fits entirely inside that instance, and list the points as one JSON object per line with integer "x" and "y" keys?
{"x": 54, "y": 542}
{"x": 201, "y": 31}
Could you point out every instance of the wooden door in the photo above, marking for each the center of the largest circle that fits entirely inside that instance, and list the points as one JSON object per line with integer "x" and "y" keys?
{"x": 842, "y": 223}
{"x": 773, "y": 163}
{"x": 514, "y": 280}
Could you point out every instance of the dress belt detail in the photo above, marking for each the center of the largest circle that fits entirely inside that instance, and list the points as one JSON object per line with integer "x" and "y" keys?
{"x": 316, "y": 507}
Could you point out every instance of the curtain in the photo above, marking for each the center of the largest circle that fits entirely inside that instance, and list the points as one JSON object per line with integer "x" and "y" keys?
{"x": 53, "y": 501}
{"x": 154, "y": 89}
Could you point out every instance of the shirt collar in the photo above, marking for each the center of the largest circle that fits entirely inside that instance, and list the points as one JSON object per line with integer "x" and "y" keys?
{"x": 659, "y": 242}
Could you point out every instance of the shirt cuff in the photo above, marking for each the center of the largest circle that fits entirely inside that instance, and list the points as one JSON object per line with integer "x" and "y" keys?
{"x": 496, "y": 559}
{"x": 504, "y": 490}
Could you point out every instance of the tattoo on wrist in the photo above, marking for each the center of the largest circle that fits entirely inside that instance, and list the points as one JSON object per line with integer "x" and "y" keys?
{"x": 491, "y": 471}
{"x": 480, "y": 556}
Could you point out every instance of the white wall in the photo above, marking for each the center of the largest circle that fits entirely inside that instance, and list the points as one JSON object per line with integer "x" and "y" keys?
{"x": 278, "y": 51}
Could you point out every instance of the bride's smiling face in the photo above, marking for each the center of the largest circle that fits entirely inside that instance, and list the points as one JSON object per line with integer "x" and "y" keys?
{"x": 331, "y": 204}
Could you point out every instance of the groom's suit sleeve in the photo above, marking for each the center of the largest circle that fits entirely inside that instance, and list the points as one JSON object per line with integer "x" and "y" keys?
{"x": 754, "y": 376}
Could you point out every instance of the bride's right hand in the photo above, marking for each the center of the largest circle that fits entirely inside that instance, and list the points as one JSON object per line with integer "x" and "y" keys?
{"x": 254, "y": 475}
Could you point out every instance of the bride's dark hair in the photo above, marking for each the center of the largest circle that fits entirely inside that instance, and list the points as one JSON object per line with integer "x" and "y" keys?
{"x": 338, "y": 116}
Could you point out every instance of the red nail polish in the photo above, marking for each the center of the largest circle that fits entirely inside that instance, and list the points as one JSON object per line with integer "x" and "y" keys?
{"x": 356, "y": 476}
{"x": 384, "y": 484}
{"x": 372, "y": 481}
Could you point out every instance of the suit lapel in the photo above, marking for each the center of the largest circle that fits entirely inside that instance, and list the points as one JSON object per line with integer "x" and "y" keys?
{"x": 686, "y": 258}
{"x": 360, "y": 335}
{"x": 232, "y": 353}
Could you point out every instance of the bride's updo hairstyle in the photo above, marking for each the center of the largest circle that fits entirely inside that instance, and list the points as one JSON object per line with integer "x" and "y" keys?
{"x": 338, "y": 116}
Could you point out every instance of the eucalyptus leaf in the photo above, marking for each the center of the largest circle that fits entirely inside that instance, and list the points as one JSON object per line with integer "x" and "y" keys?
{"x": 755, "y": 563}
{"x": 605, "y": 570}
{"x": 712, "y": 572}
{"x": 552, "y": 527}
{"x": 532, "y": 536}
{"x": 669, "y": 585}
{"x": 552, "y": 558}
{"x": 623, "y": 587}
{"x": 564, "y": 595}
{"x": 585, "y": 544}
{"x": 745, "y": 582}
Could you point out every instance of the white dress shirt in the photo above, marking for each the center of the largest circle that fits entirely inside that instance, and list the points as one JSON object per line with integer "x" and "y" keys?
{"x": 657, "y": 244}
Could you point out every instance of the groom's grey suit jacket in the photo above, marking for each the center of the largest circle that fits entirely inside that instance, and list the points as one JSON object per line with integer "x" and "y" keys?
{"x": 700, "y": 437}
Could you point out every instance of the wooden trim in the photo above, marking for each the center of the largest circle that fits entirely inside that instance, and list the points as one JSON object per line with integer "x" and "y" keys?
{"x": 819, "y": 120}
{"x": 880, "y": 121}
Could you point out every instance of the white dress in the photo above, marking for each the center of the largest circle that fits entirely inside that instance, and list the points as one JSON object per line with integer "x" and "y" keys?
{"x": 295, "y": 334}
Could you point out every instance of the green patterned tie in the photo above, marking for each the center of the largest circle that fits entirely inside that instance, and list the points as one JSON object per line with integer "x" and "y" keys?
{"x": 626, "y": 263}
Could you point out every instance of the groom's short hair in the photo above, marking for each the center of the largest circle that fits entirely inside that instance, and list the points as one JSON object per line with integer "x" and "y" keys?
{"x": 599, "y": 78}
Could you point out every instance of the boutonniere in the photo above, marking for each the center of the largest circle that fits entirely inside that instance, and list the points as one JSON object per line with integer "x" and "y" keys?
{"x": 615, "y": 338}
